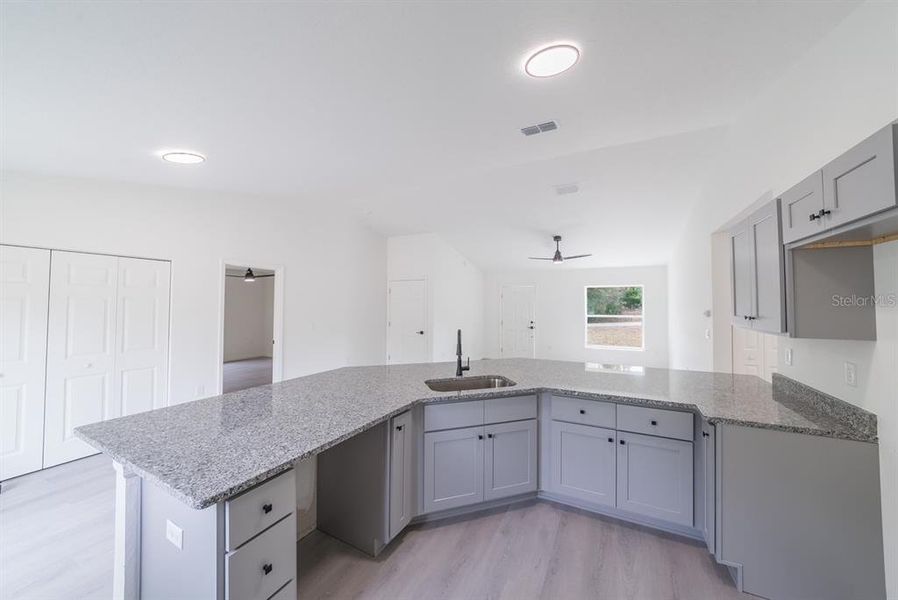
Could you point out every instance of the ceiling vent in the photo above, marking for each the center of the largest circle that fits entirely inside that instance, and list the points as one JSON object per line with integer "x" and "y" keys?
{"x": 567, "y": 188}
{"x": 541, "y": 128}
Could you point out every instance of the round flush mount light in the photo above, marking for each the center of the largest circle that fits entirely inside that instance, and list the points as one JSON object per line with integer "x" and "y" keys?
{"x": 552, "y": 60}
{"x": 183, "y": 158}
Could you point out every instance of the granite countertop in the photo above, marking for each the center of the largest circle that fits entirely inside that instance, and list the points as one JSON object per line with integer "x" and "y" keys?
{"x": 205, "y": 451}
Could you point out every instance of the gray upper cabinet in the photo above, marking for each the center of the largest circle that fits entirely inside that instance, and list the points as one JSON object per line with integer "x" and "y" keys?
{"x": 583, "y": 462}
{"x": 401, "y": 472}
{"x": 861, "y": 182}
{"x": 654, "y": 477}
{"x": 453, "y": 468}
{"x": 510, "y": 456}
{"x": 801, "y": 209}
{"x": 757, "y": 271}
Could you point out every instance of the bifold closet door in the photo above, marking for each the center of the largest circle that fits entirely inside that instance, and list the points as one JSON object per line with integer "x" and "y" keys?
{"x": 141, "y": 338}
{"x": 80, "y": 351}
{"x": 24, "y": 289}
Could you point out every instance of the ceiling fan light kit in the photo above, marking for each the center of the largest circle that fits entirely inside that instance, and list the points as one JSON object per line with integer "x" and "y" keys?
{"x": 558, "y": 258}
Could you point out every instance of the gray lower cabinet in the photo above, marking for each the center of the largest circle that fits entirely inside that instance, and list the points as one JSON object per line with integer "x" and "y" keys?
{"x": 583, "y": 462}
{"x": 401, "y": 472}
{"x": 453, "y": 468}
{"x": 654, "y": 477}
{"x": 709, "y": 485}
{"x": 510, "y": 458}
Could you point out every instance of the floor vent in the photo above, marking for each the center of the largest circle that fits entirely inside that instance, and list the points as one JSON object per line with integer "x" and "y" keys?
{"x": 541, "y": 128}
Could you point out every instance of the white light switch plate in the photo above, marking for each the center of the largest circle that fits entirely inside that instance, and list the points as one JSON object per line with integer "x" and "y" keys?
{"x": 174, "y": 534}
{"x": 851, "y": 374}
{"x": 789, "y": 356}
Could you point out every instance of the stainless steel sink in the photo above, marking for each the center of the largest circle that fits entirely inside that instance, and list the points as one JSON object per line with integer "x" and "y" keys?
{"x": 477, "y": 382}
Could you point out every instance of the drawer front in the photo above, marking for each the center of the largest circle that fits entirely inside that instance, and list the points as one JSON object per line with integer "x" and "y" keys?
{"x": 585, "y": 412}
{"x": 288, "y": 592}
{"x": 261, "y": 567}
{"x": 453, "y": 415}
{"x": 517, "y": 408}
{"x": 655, "y": 421}
{"x": 251, "y": 512}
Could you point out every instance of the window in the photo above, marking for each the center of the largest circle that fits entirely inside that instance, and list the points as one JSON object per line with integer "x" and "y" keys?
{"x": 614, "y": 317}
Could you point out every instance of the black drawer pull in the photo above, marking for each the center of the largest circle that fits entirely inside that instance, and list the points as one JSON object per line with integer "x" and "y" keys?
{"x": 611, "y": 440}
{"x": 706, "y": 434}
{"x": 399, "y": 428}
{"x": 654, "y": 422}
{"x": 267, "y": 568}
{"x": 479, "y": 437}
{"x": 622, "y": 442}
{"x": 267, "y": 508}
{"x": 582, "y": 411}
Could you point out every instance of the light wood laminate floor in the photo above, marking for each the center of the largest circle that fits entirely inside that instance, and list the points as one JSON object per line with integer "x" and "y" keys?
{"x": 247, "y": 373}
{"x": 56, "y": 538}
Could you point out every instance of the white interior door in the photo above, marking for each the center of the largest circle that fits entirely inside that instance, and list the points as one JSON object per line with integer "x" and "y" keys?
{"x": 24, "y": 291}
{"x": 141, "y": 339}
{"x": 80, "y": 351}
{"x": 517, "y": 305}
{"x": 407, "y": 335}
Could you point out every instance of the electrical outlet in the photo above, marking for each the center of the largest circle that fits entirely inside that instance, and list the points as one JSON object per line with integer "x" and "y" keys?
{"x": 788, "y": 356}
{"x": 174, "y": 534}
{"x": 850, "y": 374}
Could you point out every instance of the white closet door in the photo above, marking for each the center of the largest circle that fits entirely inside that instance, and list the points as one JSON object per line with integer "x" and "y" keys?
{"x": 24, "y": 289}
{"x": 141, "y": 359}
{"x": 80, "y": 351}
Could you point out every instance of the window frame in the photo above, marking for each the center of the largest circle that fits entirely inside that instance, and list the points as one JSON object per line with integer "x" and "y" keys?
{"x": 586, "y": 316}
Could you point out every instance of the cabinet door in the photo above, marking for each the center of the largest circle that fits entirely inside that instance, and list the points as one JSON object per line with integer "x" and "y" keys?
{"x": 24, "y": 287}
{"x": 401, "y": 444}
{"x": 709, "y": 485}
{"x": 741, "y": 268}
{"x": 80, "y": 351}
{"x": 799, "y": 203}
{"x": 453, "y": 468}
{"x": 861, "y": 181}
{"x": 654, "y": 477}
{"x": 583, "y": 462}
{"x": 510, "y": 459}
{"x": 768, "y": 272}
{"x": 141, "y": 338}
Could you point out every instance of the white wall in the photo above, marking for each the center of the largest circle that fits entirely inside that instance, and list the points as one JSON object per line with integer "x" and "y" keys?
{"x": 560, "y": 316}
{"x": 454, "y": 290}
{"x": 326, "y": 323}
{"x": 841, "y": 91}
{"x": 248, "y": 323}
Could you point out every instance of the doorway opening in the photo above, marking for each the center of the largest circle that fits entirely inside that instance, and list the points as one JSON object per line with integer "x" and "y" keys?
{"x": 248, "y": 327}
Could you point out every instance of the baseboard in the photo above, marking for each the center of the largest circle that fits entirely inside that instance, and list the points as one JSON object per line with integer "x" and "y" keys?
{"x": 735, "y": 570}
{"x": 473, "y": 508}
{"x": 622, "y": 515}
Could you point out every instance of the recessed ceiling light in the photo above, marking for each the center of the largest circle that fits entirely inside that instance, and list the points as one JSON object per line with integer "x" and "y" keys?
{"x": 552, "y": 60}
{"x": 184, "y": 158}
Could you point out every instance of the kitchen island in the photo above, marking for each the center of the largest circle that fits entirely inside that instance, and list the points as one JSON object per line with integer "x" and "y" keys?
{"x": 196, "y": 466}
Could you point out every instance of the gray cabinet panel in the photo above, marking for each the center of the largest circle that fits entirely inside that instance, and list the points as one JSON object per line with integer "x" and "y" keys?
{"x": 741, "y": 272}
{"x": 655, "y": 421}
{"x": 654, "y": 477}
{"x": 768, "y": 273}
{"x": 261, "y": 567}
{"x": 861, "y": 181}
{"x": 585, "y": 412}
{"x": 450, "y": 415}
{"x": 401, "y": 473}
{"x": 510, "y": 457}
{"x": 514, "y": 408}
{"x": 453, "y": 468}
{"x": 583, "y": 462}
{"x": 709, "y": 487}
{"x": 799, "y": 203}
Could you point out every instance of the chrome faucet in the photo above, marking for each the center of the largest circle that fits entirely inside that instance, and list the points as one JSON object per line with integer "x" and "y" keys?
{"x": 459, "y": 368}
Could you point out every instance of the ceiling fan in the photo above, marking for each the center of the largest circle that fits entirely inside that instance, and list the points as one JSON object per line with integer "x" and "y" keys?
{"x": 558, "y": 258}
{"x": 249, "y": 276}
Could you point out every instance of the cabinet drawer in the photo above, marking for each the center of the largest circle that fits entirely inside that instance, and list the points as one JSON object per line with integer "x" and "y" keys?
{"x": 655, "y": 421}
{"x": 453, "y": 415}
{"x": 261, "y": 567}
{"x": 254, "y": 510}
{"x": 585, "y": 412}
{"x": 517, "y": 408}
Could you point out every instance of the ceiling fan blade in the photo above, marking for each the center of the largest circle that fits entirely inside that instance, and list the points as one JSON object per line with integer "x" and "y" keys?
{"x": 577, "y": 256}
{"x": 269, "y": 275}
{"x": 539, "y": 258}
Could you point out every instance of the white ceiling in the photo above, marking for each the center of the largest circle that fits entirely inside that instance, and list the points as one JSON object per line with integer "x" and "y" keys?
{"x": 406, "y": 112}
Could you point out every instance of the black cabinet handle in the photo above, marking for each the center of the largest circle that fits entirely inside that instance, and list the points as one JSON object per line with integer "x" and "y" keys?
{"x": 266, "y": 508}
{"x": 420, "y": 332}
{"x": 267, "y": 568}
{"x": 814, "y": 217}
{"x": 399, "y": 428}
{"x": 654, "y": 422}
{"x": 823, "y": 212}
{"x": 489, "y": 435}
{"x": 611, "y": 440}
{"x": 479, "y": 437}
{"x": 622, "y": 442}
{"x": 705, "y": 434}
{"x": 582, "y": 411}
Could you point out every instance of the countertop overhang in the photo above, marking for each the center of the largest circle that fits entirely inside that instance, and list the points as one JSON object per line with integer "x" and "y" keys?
{"x": 207, "y": 450}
